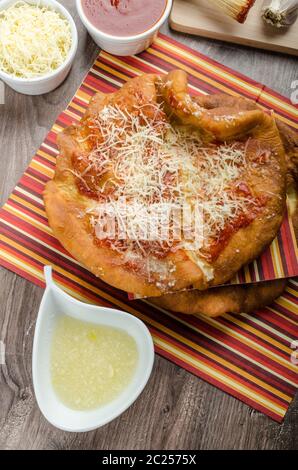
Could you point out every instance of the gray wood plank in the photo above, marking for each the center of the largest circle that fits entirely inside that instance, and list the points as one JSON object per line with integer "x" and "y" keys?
{"x": 186, "y": 412}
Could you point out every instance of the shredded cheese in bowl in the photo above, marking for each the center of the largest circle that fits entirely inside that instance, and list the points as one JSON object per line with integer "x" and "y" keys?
{"x": 34, "y": 40}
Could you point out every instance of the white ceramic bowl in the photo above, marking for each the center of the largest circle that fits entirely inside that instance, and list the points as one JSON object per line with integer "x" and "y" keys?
{"x": 56, "y": 302}
{"x": 46, "y": 83}
{"x": 123, "y": 45}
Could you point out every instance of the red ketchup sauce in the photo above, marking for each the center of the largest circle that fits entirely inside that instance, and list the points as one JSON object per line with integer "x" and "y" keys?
{"x": 123, "y": 17}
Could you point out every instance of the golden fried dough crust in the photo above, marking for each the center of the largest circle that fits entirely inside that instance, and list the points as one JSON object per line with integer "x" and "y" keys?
{"x": 216, "y": 120}
{"x": 239, "y": 298}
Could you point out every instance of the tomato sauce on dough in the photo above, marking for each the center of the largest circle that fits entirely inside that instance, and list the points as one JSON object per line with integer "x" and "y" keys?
{"x": 123, "y": 17}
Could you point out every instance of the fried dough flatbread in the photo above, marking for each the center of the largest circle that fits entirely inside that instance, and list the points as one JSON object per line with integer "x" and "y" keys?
{"x": 239, "y": 298}
{"x": 151, "y": 142}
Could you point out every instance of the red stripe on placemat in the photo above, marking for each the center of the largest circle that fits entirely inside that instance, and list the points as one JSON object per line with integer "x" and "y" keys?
{"x": 203, "y": 342}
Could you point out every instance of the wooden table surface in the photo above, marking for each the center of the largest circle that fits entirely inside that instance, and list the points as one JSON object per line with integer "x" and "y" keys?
{"x": 176, "y": 410}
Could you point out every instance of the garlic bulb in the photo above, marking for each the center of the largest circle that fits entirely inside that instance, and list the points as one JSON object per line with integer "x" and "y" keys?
{"x": 280, "y": 13}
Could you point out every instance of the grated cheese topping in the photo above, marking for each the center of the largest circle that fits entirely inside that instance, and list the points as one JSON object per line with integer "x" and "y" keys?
{"x": 34, "y": 40}
{"x": 145, "y": 160}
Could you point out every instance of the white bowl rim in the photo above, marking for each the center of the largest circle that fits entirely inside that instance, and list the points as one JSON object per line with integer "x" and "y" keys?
{"x": 52, "y": 286}
{"x": 71, "y": 54}
{"x": 127, "y": 39}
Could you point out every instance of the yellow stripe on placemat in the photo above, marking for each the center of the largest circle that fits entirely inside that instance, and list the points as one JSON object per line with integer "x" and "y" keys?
{"x": 30, "y": 206}
{"x": 230, "y": 332}
{"x": 136, "y": 71}
{"x": 43, "y": 169}
{"x": 28, "y": 195}
{"x": 228, "y": 352}
{"x": 236, "y": 80}
{"x": 114, "y": 72}
{"x": 27, "y": 218}
{"x": 168, "y": 347}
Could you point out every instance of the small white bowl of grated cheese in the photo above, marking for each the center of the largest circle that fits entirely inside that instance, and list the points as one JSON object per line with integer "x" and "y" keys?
{"x": 38, "y": 44}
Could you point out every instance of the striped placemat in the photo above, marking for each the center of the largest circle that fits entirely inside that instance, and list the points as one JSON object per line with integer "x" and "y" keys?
{"x": 248, "y": 356}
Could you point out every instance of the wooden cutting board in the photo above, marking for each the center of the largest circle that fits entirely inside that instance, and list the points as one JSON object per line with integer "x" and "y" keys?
{"x": 202, "y": 18}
